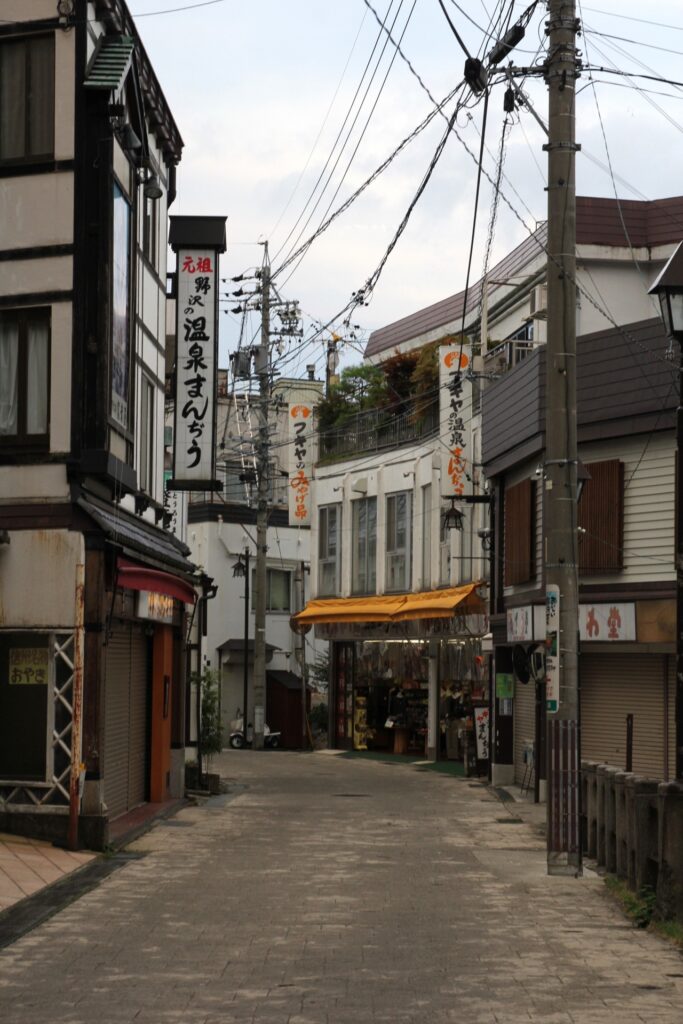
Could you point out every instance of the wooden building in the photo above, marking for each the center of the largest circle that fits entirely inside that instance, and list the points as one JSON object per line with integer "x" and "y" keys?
{"x": 93, "y": 589}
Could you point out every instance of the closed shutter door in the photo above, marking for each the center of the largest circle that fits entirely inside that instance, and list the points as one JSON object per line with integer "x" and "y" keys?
{"x": 524, "y": 724}
{"x": 116, "y": 700}
{"x": 614, "y": 686}
{"x": 137, "y": 743}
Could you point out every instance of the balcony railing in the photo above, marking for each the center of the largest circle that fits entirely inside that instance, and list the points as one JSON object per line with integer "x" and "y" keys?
{"x": 377, "y": 430}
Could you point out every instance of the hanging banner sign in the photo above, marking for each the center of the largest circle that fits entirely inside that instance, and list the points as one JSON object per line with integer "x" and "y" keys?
{"x": 455, "y": 418}
{"x": 301, "y": 463}
{"x": 552, "y": 649}
{"x": 194, "y": 435}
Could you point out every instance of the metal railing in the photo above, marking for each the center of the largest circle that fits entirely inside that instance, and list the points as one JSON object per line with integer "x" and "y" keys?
{"x": 376, "y": 430}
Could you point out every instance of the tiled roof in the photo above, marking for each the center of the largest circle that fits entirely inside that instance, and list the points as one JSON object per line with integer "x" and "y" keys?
{"x": 598, "y": 222}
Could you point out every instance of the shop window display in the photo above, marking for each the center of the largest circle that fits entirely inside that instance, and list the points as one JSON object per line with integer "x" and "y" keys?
{"x": 391, "y": 697}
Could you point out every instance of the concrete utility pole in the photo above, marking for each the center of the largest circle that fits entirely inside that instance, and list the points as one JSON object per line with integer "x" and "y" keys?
{"x": 561, "y": 453}
{"x": 262, "y": 366}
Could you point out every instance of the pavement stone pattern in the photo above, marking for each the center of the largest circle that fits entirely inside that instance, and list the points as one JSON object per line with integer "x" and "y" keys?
{"x": 29, "y": 865}
{"x": 325, "y": 890}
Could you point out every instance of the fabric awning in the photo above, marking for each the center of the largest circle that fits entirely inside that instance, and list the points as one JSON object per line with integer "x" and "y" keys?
{"x": 428, "y": 604}
{"x": 141, "y": 577}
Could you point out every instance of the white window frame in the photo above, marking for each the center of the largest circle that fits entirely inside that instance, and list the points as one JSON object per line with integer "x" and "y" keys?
{"x": 364, "y": 547}
{"x": 398, "y": 541}
{"x": 326, "y": 557}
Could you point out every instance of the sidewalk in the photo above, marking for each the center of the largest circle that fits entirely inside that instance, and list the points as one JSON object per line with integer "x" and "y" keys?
{"x": 29, "y": 865}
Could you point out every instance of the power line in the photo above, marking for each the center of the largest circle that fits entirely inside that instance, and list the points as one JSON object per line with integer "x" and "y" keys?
{"x": 356, "y": 148}
{"x": 454, "y": 30}
{"x": 344, "y": 123}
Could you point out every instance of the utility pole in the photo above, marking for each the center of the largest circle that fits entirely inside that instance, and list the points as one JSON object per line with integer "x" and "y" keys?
{"x": 561, "y": 452}
{"x": 262, "y": 366}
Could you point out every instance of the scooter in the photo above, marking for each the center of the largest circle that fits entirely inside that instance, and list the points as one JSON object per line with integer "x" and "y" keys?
{"x": 238, "y": 740}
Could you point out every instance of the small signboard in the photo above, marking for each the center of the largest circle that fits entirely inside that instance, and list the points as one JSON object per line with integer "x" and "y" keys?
{"x": 481, "y": 728}
{"x": 157, "y": 607}
{"x": 28, "y": 666}
{"x": 552, "y": 648}
{"x": 505, "y": 685}
{"x": 607, "y": 622}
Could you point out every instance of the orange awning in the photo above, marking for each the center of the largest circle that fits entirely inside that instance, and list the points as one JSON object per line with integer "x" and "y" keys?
{"x": 428, "y": 604}
{"x": 351, "y": 609}
{"x": 440, "y": 604}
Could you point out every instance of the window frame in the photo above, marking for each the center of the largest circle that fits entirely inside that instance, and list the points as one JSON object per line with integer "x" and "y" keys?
{"x": 392, "y": 548}
{"x": 150, "y": 231}
{"x": 28, "y": 106}
{"x": 146, "y": 435}
{"x": 324, "y": 558}
{"x": 519, "y": 517}
{"x": 370, "y": 565}
{"x": 269, "y": 575}
{"x": 22, "y": 440}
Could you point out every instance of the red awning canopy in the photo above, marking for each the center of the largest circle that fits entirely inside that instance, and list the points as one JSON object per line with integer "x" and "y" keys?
{"x": 141, "y": 577}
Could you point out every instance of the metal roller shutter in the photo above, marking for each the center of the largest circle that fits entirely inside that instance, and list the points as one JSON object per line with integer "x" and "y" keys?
{"x": 614, "y": 686}
{"x": 137, "y": 734}
{"x": 524, "y": 725}
{"x": 116, "y": 700}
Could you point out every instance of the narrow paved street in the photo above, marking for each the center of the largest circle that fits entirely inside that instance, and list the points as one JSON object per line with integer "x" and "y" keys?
{"x": 340, "y": 891}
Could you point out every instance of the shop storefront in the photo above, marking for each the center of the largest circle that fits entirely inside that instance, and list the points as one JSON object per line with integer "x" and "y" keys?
{"x": 627, "y": 685}
{"x": 410, "y": 674}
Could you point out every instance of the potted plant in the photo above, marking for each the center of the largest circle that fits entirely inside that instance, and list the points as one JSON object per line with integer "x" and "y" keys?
{"x": 210, "y": 731}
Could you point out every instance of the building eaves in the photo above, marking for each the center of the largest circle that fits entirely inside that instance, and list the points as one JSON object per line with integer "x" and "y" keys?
{"x": 110, "y": 63}
{"x": 118, "y": 19}
{"x": 599, "y": 221}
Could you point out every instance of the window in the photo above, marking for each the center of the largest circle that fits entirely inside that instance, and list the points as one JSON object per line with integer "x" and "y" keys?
{"x": 426, "y": 537}
{"x": 278, "y": 590}
{"x": 120, "y": 358}
{"x": 364, "y": 534}
{"x": 520, "y": 532}
{"x": 398, "y": 546}
{"x": 25, "y": 377}
{"x": 329, "y": 550}
{"x": 27, "y": 85}
{"x": 146, "y": 440}
{"x": 601, "y": 516}
{"x": 24, "y": 694}
{"x": 150, "y": 230}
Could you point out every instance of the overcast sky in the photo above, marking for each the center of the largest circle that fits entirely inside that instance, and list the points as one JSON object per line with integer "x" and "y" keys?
{"x": 260, "y": 90}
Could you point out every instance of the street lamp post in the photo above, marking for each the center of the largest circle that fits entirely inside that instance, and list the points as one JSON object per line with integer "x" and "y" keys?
{"x": 669, "y": 289}
{"x": 241, "y": 568}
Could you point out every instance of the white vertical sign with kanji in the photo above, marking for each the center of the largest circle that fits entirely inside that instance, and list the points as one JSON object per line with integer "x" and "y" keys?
{"x": 301, "y": 463}
{"x": 455, "y": 419}
{"x": 196, "y": 334}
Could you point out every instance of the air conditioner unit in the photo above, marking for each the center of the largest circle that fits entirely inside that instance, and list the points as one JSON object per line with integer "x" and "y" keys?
{"x": 538, "y": 302}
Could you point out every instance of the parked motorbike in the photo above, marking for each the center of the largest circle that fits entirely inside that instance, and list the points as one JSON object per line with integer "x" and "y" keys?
{"x": 238, "y": 740}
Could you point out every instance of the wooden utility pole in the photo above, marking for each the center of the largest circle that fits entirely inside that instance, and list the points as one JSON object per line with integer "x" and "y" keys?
{"x": 561, "y": 453}
{"x": 262, "y": 366}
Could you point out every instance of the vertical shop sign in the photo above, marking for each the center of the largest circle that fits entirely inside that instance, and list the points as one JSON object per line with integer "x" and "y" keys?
{"x": 481, "y": 728}
{"x": 196, "y": 356}
{"x": 301, "y": 437}
{"x": 552, "y": 648}
{"x": 455, "y": 418}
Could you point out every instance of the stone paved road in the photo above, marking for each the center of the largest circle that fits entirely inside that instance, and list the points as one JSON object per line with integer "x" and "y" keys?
{"x": 335, "y": 891}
